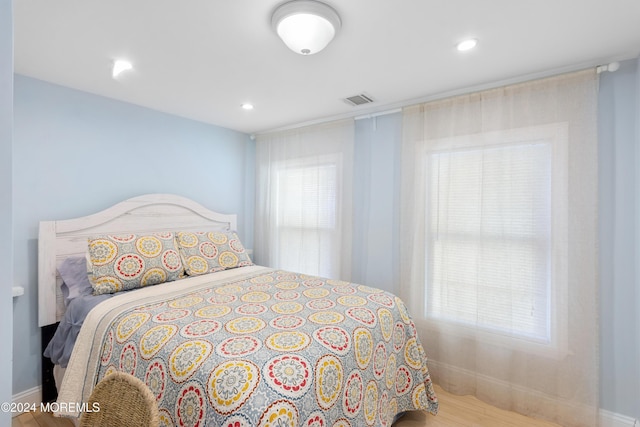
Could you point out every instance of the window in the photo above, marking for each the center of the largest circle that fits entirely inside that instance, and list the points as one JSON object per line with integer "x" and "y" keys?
{"x": 307, "y": 217}
{"x": 303, "y": 199}
{"x": 490, "y": 221}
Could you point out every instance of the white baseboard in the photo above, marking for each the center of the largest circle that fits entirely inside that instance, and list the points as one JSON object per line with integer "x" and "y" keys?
{"x": 611, "y": 419}
{"x": 27, "y": 398}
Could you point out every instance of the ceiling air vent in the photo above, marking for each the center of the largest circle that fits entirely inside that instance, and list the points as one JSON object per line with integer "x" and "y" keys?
{"x": 358, "y": 99}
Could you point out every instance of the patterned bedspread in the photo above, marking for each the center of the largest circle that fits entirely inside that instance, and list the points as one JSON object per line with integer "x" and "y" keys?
{"x": 258, "y": 347}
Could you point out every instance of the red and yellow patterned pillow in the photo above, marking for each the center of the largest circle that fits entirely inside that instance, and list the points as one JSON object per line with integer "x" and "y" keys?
{"x": 128, "y": 261}
{"x": 208, "y": 252}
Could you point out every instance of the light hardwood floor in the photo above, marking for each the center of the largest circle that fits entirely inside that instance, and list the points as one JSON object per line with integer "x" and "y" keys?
{"x": 458, "y": 411}
{"x": 39, "y": 419}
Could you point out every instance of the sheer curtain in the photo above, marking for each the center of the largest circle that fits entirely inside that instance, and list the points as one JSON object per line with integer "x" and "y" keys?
{"x": 303, "y": 205}
{"x": 499, "y": 253}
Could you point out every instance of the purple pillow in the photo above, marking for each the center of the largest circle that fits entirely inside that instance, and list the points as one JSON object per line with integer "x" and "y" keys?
{"x": 73, "y": 271}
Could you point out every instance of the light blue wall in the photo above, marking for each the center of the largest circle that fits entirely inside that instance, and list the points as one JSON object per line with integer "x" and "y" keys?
{"x": 619, "y": 192}
{"x": 375, "y": 204}
{"x": 77, "y": 153}
{"x": 638, "y": 226}
{"x": 6, "y": 248}
{"x": 637, "y": 281}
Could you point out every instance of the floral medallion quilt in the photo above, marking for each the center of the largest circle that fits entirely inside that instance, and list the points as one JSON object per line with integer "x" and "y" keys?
{"x": 259, "y": 347}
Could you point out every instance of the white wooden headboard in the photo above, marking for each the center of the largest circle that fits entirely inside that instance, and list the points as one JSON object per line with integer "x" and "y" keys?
{"x": 143, "y": 214}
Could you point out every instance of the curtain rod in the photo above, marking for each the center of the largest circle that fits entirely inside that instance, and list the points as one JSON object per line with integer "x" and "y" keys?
{"x": 613, "y": 66}
{"x": 381, "y": 113}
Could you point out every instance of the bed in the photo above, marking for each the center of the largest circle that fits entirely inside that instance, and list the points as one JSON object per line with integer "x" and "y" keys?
{"x": 242, "y": 346}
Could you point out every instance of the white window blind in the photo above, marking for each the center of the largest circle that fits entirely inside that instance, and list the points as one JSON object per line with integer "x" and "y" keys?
{"x": 306, "y": 205}
{"x": 489, "y": 237}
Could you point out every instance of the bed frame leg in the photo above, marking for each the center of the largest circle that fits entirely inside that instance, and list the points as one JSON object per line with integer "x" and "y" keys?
{"x": 49, "y": 391}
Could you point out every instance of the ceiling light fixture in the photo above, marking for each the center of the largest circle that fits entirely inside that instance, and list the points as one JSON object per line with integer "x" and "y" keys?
{"x": 306, "y": 26}
{"x": 247, "y": 106}
{"x": 120, "y": 65}
{"x": 467, "y": 45}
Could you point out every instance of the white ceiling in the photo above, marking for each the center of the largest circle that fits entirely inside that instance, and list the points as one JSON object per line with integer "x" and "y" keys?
{"x": 201, "y": 59}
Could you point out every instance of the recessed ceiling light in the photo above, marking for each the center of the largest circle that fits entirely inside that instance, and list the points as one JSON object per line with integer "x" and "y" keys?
{"x": 247, "y": 106}
{"x": 120, "y": 65}
{"x": 467, "y": 45}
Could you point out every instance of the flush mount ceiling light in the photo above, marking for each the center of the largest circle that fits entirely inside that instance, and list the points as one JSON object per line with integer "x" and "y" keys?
{"x": 305, "y": 26}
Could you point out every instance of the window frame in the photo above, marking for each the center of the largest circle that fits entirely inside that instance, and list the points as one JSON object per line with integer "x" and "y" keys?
{"x": 308, "y": 162}
{"x": 556, "y": 135}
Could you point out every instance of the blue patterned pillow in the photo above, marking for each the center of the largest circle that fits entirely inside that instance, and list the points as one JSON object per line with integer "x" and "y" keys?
{"x": 208, "y": 252}
{"x": 128, "y": 261}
